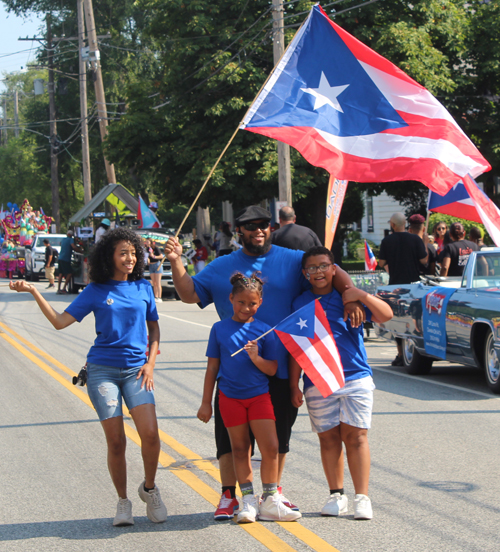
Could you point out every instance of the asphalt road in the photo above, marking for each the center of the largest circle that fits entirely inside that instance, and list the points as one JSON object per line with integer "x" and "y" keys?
{"x": 434, "y": 444}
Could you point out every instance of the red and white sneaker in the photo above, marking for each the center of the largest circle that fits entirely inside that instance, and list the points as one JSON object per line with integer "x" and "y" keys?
{"x": 287, "y": 502}
{"x": 227, "y": 507}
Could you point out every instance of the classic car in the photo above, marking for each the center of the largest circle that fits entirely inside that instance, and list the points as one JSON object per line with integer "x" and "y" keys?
{"x": 472, "y": 318}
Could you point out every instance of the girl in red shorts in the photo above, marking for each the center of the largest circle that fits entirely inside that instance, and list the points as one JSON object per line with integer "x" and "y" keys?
{"x": 244, "y": 399}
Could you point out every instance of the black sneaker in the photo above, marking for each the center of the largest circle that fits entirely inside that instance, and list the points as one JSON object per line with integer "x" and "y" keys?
{"x": 398, "y": 361}
{"x": 50, "y": 286}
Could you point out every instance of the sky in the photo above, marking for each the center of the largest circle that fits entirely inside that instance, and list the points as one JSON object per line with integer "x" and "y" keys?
{"x": 12, "y": 28}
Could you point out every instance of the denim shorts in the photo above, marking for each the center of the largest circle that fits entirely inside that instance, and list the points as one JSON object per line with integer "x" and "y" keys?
{"x": 156, "y": 268}
{"x": 352, "y": 405}
{"x": 107, "y": 385}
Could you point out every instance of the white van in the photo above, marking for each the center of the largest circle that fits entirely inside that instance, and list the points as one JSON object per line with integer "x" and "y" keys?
{"x": 35, "y": 254}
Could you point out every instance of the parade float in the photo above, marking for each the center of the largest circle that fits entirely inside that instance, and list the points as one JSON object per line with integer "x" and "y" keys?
{"x": 18, "y": 226}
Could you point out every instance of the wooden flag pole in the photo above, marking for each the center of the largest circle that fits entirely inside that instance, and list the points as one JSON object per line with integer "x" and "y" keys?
{"x": 232, "y": 137}
{"x": 257, "y": 339}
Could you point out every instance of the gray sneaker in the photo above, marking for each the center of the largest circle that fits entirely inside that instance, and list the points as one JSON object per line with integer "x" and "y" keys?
{"x": 156, "y": 510}
{"x": 336, "y": 505}
{"x": 123, "y": 513}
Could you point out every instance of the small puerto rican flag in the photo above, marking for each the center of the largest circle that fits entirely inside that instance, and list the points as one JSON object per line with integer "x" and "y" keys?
{"x": 370, "y": 260}
{"x": 307, "y": 336}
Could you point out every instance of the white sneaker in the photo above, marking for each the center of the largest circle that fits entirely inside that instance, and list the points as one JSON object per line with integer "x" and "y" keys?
{"x": 273, "y": 509}
{"x": 362, "y": 507}
{"x": 158, "y": 300}
{"x": 336, "y": 505}
{"x": 156, "y": 510}
{"x": 123, "y": 513}
{"x": 250, "y": 509}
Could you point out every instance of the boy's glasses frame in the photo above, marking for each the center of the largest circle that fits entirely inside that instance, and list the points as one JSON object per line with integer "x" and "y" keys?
{"x": 253, "y": 226}
{"x": 323, "y": 267}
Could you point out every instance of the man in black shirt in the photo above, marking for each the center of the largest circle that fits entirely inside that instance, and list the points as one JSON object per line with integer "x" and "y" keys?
{"x": 402, "y": 254}
{"x": 291, "y": 235}
{"x": 50, "y": 261}
{"x": 417, "y": 227}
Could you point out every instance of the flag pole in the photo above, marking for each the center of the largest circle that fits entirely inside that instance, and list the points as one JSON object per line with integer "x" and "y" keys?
{"x": 257, "y": 339}
{"x": 428, "y": 213}
{"x": 232, "y": 137}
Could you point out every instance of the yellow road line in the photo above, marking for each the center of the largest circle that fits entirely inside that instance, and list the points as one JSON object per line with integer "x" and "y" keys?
{"x": 260, "y": 533}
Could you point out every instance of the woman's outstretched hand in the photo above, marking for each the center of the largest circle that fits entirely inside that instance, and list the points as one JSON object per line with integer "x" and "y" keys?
{"x": 21, "y": 285}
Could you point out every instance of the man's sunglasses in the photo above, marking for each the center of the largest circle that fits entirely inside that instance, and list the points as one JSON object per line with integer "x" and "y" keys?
{"x": 252, "y": 226}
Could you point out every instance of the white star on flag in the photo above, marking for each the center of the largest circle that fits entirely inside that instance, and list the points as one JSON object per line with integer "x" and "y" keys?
{"x": 302, "y": 323}
{"x": 326, "y": 94}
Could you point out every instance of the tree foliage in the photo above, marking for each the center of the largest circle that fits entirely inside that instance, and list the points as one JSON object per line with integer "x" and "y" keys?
{"x": 179, "y": 76}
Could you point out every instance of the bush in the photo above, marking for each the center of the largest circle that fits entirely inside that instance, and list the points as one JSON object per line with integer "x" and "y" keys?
{"x": 352, "y": 248}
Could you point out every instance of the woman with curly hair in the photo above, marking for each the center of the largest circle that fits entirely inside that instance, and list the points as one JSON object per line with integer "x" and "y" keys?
{"x": 117, "y": 366}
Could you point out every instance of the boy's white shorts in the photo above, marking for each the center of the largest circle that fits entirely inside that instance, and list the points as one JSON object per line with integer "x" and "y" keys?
{"x": 350, "y": 405}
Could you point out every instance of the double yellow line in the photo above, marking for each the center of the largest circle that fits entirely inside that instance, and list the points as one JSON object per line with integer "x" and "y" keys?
{"x": 256, "y": 530}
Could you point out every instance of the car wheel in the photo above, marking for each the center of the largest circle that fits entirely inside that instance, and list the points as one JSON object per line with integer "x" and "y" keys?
{"x": 416, "y": 364}
{"x": 34, "y": 277}
{"x": 491, "y": 364}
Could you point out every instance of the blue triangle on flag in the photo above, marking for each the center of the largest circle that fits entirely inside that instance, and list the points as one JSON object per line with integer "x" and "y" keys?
{"x": 337, "y": 97}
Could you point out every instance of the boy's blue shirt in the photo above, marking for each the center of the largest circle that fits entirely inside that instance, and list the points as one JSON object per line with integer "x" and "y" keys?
{"x": 349, "y": 340}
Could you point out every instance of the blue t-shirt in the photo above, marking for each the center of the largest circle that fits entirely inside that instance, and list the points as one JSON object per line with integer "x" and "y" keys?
{"x": 238, "y": 376}
{"x": 349, "y": 340}
{"x": 282, "y": 273}
{"x": 121, "y": 310}
{"x": 66, "y": 249}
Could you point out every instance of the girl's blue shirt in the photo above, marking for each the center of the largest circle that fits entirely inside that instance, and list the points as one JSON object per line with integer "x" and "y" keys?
{"x": 238, "y": 376}
{"x": 121, "y": 310}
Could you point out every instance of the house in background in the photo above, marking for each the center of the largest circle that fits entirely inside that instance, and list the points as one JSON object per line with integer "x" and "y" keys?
{"x": 378, "y": 211}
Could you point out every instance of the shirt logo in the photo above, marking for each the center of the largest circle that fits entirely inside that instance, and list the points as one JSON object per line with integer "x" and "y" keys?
{"x": 110, "y": 301}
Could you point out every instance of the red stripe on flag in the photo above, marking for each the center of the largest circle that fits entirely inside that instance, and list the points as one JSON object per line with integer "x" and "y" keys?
{"x": 433, "y": 173}
{"x": 303, "y": 361}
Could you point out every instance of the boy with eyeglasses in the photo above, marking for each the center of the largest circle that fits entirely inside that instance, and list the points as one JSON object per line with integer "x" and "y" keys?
{"x": 344, "y": 416}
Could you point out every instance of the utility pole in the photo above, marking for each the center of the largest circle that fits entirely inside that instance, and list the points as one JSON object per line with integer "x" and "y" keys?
{"x": 284, "y": 172}
{"x": 87, "y": 190}
{"x": 16, "y": 114}
{"x": 4, "y": 134}
{"x": 54, "y": 177}
{"x": 99, "y": 86}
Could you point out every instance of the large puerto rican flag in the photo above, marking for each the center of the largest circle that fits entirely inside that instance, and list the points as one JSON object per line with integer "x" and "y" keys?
{"x": 307, "y": 336}
{"x": 349, "y": 110}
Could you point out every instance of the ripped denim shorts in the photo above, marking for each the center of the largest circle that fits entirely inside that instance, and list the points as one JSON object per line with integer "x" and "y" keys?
{"x": 107, "y": 385}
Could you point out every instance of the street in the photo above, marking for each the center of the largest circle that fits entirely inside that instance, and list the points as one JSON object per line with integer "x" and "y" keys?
{"x": 434, "y": 445}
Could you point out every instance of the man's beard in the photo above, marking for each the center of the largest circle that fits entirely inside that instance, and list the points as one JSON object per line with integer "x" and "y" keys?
{"x": 257, "y": 249}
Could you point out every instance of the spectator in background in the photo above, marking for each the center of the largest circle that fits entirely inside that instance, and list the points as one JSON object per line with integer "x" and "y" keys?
{"x": 417, "y": 227}
{"x": 402, "y": 254}
{"x": 201, "y": 255}
{"x": 67, "y": 247}
{"x": 102, "y": 229}
{"x": 50, "y": 261}
{"x": 456, "y": 253}
{"x": 476, "y": 237}
{"x": 439, "y": 232}
{"x": 225, "y": 238}
{"x": 155, "y": 260}
{"x": 291, "y": 235}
